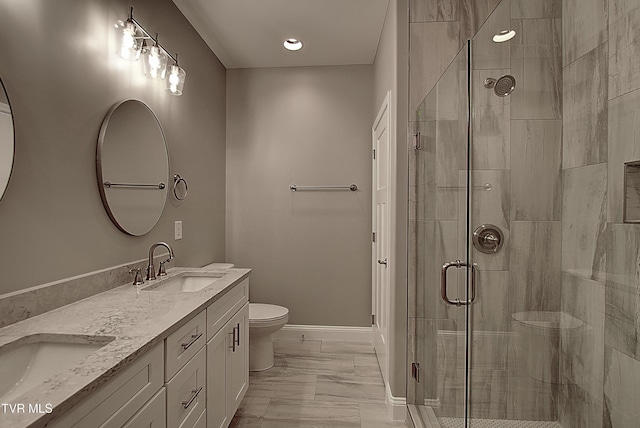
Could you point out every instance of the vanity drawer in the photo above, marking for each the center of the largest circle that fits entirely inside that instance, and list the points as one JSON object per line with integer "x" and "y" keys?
{"x": 184, "y": 343}
{"x": 221, "y": 311}
{"x": 152, "y": 414}
{"x": 186, "y": 393}
{"x": 119, "y": 399}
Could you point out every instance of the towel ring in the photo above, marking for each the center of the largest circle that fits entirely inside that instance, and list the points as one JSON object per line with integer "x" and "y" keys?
{"x": 180, "y": 187}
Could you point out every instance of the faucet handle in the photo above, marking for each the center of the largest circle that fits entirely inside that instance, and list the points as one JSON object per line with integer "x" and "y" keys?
{"x": 161, "y": 270}
{"x": 137, "y": 280}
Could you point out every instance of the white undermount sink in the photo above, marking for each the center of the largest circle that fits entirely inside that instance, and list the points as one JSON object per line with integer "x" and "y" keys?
{"x": 186, "y": 282}
{"x": 32, "y": 360}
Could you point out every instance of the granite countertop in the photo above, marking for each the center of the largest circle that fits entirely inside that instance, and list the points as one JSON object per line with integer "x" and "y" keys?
{"x": 137, "y": 319}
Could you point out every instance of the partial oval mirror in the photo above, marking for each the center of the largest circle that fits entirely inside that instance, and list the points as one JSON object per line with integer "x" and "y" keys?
{"x": 7, "y": 141}
{"x": 133, "y": 167}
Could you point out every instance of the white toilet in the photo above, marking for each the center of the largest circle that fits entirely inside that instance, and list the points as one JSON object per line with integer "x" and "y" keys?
{"x": 264, "y": 320}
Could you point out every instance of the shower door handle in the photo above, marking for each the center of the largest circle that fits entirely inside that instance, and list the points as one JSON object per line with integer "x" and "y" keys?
{"x": 443, "y": 282}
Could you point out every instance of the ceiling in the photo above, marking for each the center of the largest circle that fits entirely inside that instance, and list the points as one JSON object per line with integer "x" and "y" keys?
{"x": 250, "y": 33}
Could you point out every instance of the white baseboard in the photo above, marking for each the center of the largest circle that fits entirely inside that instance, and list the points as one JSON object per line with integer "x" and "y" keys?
{"x": 396, "y": 406}
{"x": 326, "y": 332}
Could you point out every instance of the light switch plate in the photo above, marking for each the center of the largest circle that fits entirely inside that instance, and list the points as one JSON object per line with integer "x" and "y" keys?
{"x": 178, "y": 230}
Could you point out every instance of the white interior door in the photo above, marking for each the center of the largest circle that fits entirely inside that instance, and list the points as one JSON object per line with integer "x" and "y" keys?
{"x": 380, "y": 238}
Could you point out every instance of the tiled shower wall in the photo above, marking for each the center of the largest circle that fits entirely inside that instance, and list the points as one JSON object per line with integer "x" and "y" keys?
{"x": 517, "y": 151}
{"x": 569, "y": 249}
{"x": 600, "y": 367}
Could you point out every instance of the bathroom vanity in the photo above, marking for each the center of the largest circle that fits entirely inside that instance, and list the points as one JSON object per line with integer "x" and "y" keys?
{"x": 169, "y": 353}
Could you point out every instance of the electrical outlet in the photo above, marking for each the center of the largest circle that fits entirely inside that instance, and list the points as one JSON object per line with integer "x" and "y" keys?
{"x": 178, "y": 230}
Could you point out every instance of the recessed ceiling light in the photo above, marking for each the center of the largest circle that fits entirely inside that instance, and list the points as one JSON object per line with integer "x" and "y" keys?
{"x": 504, "y": 36}
{"x": 293, "y": 44}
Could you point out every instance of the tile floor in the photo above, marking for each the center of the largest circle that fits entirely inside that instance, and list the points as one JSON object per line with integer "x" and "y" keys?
{"x": 317, "y": 384}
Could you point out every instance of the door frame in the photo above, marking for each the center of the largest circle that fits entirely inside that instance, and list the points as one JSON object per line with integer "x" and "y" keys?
{"x": 383, "y": 355}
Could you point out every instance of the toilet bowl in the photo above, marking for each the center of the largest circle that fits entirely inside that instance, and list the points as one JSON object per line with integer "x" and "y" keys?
{"x": 264, "y": 320}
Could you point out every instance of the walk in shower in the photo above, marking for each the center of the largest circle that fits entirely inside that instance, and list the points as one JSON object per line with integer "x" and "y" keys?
{"x": 517, "y": 313}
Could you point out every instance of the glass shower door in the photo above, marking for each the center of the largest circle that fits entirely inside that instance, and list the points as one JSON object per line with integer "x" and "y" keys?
{"x": 515, "y": 326}
{"x": 439, "y": 207}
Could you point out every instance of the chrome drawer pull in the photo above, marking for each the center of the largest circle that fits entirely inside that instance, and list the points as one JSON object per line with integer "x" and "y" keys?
{"x": 195, "y": 392}
{"x": 233, "y": 341}
{"x": 194, "y": 339}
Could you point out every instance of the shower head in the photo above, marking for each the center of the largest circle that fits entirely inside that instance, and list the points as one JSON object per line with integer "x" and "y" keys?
{"x": 501, "y": 87}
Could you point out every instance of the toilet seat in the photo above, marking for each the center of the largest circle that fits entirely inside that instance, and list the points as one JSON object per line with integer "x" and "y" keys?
{"x": 261, "y": 313}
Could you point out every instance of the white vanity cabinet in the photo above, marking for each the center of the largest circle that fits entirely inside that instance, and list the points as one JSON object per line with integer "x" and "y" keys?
{"x": 227, "y": 356}
{"x": 185, "y": 373}
{"x": 195, "y": 378}
{"x": 123, "y": 397}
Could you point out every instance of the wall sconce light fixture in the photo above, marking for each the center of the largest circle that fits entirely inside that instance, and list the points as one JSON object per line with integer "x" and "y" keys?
{"x": 133, "y": 41}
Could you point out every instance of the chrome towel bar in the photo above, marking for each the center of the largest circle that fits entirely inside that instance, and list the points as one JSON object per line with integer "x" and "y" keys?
{"x": 295, "y": 187}
{"x": 109, "y": 184}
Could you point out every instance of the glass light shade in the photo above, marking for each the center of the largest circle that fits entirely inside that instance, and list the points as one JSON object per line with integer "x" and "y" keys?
{"x": 129, "y": 45}
{"x": 175, "y": 79}
{"x": 154, "y": 62}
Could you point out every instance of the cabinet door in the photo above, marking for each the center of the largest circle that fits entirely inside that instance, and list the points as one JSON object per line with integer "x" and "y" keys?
{"x": 186, "y": 393}
{"x": 152, "y": 415}
{"x": 238, "y": 360}
{"x": 217, "y": 379}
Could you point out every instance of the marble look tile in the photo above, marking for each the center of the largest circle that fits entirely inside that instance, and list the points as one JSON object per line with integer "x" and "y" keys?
{"x": 536, "y": 179}
{"x": 349, "y": 389}
{"x": 583, "y": 221}
{"x": 473, "y": 14}
{"x": 537, "y": 69}
{"x": 531, "y": 399}
{"x": 488, "y": 206}
{"x": 320, "y": 364}
{"x": 451, "y": 154}
{"x": 621, "y": 380}
{"x": 253, "y": 407}
{"x": 624, "y": 47}
{"x": 535, "y": 266}
{"x": 624, "y": 146}
{"x": 585, "y": 112}
{"x": 421, "y": 265}
{"x": 536, "y": 8}
{"x": 285, "y": 413}
{"x": 239, "y": 421}
{"x": 491, "y": 309}
{"x": 622, "y": 308}
{"x": 433, "y": 46}
{"x": 582, "y": 348}
{"x": 296, "y": 346}
{"x": 584, "y": 26}
{"x": 433, "y": 10}
{"x": 430, "y": 354}
{"x": 375, "y": 416}
{"x": 491, "y": 148}
{"x": 367, "y": 366}
{"x": 350, "y": 348}
{"x": 576, "y": 408}
{"x": 282, "y": 390}
{"x": 487, "y": 55}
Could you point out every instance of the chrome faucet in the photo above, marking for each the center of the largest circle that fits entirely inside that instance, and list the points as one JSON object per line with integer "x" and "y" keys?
{"x": 151, "y": 269}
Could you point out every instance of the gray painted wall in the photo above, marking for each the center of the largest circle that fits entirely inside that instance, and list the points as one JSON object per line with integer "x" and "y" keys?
{"x": 59, "y": 66}
{"x": 309, "y": 251}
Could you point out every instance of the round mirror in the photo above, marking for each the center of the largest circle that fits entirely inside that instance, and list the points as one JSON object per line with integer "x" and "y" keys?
{"x": 6, "y": 140}
{"x": 133, "y": 167}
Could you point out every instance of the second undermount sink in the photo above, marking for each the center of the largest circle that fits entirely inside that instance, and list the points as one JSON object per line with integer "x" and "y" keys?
{"x": 31, "y": 360}
{"x": 186, "y": 282}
